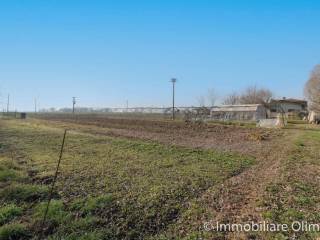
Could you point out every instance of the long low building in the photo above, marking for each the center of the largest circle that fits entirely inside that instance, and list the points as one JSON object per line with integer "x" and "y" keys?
{"x": 289, "y": 106}
{"x": 243, "y": 112}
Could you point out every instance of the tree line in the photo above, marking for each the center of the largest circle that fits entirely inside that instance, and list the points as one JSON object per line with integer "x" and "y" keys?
{"x": 251, "y": 95}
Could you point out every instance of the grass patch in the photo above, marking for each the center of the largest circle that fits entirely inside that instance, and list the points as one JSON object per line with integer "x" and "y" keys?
{"x": 9, "y": 171}
{"x": 95, "y": 235}
{"x": 148, "y": 185}
{"x": 297, "y": 196}
{"x": 93, "y": 204}
{"x": 9, "y": 212}
{"x": 64, "y": 223}
{"x": 18, "y": 192}
{"x": 14, "y": 231}
{"x": 8, "y": 175}
{"x": 56, "y": 213}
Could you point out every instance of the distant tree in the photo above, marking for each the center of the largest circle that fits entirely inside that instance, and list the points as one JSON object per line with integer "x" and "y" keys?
{"x": 312, "y": 89}
{"x": 252, "y": 95}
{"x": 211, "y": 97}
{"x": 201, "y": 101}
{"x": 231, "y": 99}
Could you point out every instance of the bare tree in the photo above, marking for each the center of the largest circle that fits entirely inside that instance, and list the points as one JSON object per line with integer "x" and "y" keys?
{"x": 201, "y": 101}
{"x": 252, "y": 95}
{"x": 231, "y": 99}
{"x": 211, "y": 97}
{"x": 312, "y": 89}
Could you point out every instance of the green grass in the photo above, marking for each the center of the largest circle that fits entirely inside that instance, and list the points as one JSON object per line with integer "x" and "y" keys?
{"x": 8, "y": 175}
{"x": 9, "y": 212}
{"x": 18, "y": 192}
{"x": 9, "y": 171}
{"x": 14, "y": 231}
{"x": 57, "y": 215}
{"x": 117, "y": 187}
{"x": 93, "y": 205}
{"x": 297, "y": 196}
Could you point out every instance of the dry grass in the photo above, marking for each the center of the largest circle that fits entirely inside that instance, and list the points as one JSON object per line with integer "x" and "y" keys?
{"x": 115, "y": 187}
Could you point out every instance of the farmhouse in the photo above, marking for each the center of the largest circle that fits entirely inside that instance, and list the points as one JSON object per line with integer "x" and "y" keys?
{"x": 244, "y": 112}
{"x": 288, "y": 106}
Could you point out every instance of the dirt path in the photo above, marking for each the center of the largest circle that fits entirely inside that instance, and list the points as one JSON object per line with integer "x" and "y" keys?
{"x": 237, "y": 199}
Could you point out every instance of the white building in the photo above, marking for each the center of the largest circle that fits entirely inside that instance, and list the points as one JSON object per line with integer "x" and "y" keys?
{"x": 243, "y": 112}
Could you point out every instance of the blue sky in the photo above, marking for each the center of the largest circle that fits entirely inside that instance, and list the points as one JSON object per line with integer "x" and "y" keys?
{"x": 107, "y": 52}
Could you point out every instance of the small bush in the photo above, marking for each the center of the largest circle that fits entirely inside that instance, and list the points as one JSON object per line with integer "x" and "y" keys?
{"x": 24, "y": 193}
{"x": 9, "y": 212}
{"x": 14, "y": 232}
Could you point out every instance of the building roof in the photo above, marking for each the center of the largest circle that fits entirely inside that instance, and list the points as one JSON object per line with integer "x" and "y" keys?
{"x": 289, "y": 100}
{"x": 237, "y": 108}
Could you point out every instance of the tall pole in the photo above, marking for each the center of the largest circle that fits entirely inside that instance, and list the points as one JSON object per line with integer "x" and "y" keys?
{"x": 73, "y": 103}
{"x": 52, "y": 186}
{"x": 35, "y": 105}
{"x": 173, "y": 80}
{"x": 8, "y": 103}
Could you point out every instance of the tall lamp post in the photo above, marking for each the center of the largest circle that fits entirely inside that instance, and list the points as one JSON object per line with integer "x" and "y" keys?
{"x": 73, "y": 104}
{"x": 173, "y": 80}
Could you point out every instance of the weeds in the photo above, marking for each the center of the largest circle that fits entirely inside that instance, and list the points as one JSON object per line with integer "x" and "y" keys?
{"x": 296, "y": 197}
{"x": 19, "y": 192}
{"x": 9, "y": 212}
{"x": 14, "y": 231}
{"x": 111, "y": 187}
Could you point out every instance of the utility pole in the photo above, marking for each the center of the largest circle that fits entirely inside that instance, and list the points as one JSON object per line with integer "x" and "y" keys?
{"x": 73, "y": 104}
{"x": 35, "y": 105}
{"x": 8, "y": 103}
{"x": 127, "y": 105}
{"x": 173, "y": 80}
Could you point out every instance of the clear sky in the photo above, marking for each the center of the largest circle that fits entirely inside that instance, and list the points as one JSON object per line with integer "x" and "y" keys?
{"x": 107, "y": 52}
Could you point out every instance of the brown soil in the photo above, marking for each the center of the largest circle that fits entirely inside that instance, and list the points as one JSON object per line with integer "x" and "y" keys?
{"x": 196, "y": 135}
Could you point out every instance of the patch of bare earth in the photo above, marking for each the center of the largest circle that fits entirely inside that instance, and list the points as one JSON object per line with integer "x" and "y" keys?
{"x": 243, "y": 140}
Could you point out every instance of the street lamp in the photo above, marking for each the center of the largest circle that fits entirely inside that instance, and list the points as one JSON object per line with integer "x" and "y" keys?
{"x": 73, "y": 104}
{"x": 173, "y": 80}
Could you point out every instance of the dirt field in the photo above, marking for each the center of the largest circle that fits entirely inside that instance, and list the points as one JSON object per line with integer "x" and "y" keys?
{"x": 156, "y": 179}
{"x": 245, "y": 139}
